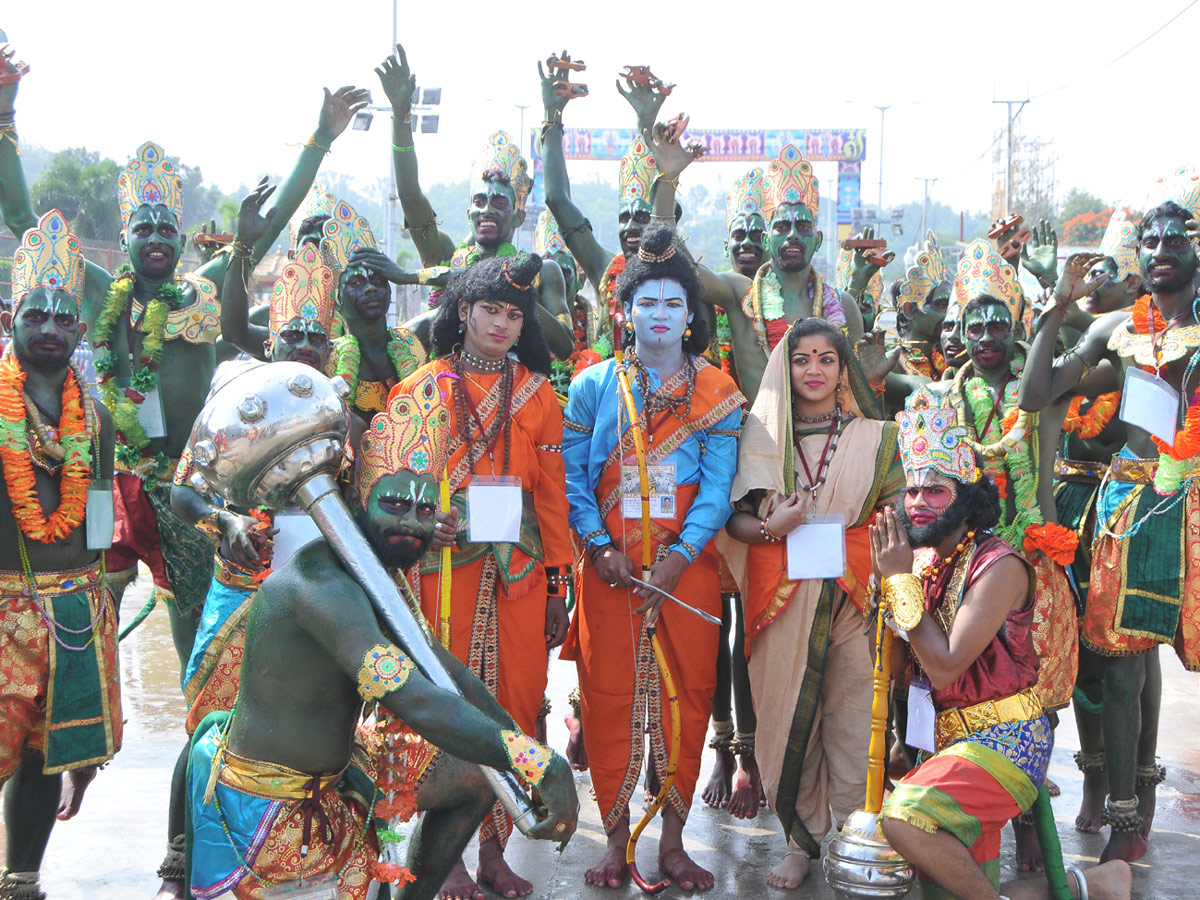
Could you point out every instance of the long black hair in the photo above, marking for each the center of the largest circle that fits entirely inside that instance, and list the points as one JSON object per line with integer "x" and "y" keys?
{"x": 503, "y": 280}
{"x": 658, "y": 241}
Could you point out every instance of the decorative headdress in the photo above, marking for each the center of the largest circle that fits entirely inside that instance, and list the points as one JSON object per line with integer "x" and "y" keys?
{"x": 1182, "y": 186}
{"x": 841, "y": 279}
{"x": 931, "y": 438}
{"x": 1120, "y": 242}
{"x": 317, "y": 202}
{"x": 983, "y": 272}
{"x": 789, "y": 179}
{"x": 501, "y": 157}
{"x": 345, "y": 232}
{"x": 638, "y": 171}
{"x": 49, "y": 257}
{"x": 745, "y": 198}
{"x": 927, "y": 272}
{"x": 149, "y": 178}
{"x": 305, "y": 289}
{"x": 412, "y": 434}
{"x": 547, "y": 239}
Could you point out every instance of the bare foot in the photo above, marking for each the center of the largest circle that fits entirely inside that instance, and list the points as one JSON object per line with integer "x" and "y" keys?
{"x": 791, "y": 871}
{"x": 73, "y": 787}
{"x": 1051, "y": 788}
{"x": 684, "y": 871}
{"x": 539, "y": 729}
{"x": 1126, "y": 845}
{"x": 1091, "y": 808}
{"x": 747, "y": 790}
{"x": 171, "y": 889}
{"x": 495, "y": 872}
{"x": 576, "y": 754}
{"x": 611, "y": 870}
{"x": 1029, "y": 851}
{"x": 459, "y": 886}
{"x": 720, "y": 784}
{"x": 652, "y": 782}
{"x": 1109, "y": 881}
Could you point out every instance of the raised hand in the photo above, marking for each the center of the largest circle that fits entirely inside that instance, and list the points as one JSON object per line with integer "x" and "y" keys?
{"x": 251, "y": 223}
{"x": 671, "y": 155}
{"x": 398, "y": 80}
{"x": 379, "y": 262}
{"x": 1072, "y": 284}
{"x": 338, "y": 109}
{"x": 866, "y": 262}
{"x": 555, "y": 101}
{"x": 1042, "y": 261}
{"x": 876, "y": 361}
{"x": 11, "y": 71}
{"x": 891, "y": 553}
{"x": 645, "y": 98}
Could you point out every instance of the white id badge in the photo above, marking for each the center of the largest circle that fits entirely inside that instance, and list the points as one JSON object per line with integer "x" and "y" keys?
{"x": 494, "y": 509}
{"x": 319, "y": 887}
{"x": 1149, "y": 403}
{"x": 817, "y": 549}
{"x": 295, "y": 530}
{"x": 150, "y": 415}
{"x": 99, "y": 515}
{"x": 921, "y": 716}
{"x": 662, "y": 492}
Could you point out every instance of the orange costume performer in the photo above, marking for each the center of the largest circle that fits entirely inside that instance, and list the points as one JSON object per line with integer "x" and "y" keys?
{"x": 691, "y": 423}
{"x": 503, "y": 424}
{"x": 808, "y": 659}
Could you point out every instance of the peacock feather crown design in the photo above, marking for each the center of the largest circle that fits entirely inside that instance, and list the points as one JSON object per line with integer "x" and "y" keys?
{"x": 1121, "y": 243}
{"x": 317, "y": 202}
{"x": 982, "y": 272}
{"x": 547, "y": 238}
{"x": 149, "y": 178}
{"x": 1182, "y": 186}
{"x": 412, "y": 434}
{"x": 345, "y": 232}
{"x": 927, "y": 272}
{"x": 50, "y": 257}
{"x": 638, "y": 171}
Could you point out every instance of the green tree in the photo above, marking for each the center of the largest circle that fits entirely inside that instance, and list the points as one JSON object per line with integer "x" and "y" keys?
{"x": 1078, "y": 202}
{"x": 83, "y": 186}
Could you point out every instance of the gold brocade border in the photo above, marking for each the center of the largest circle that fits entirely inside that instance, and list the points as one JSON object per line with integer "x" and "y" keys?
{"x": 269, "y": 781}
{"x": 1080, "y": 470}
{"x": 51, "y": 584}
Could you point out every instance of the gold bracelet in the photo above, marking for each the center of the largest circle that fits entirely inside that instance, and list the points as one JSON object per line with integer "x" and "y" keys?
{"x": 530, "y": 760}
{"x": 673, "y": 182}
{"x": 904, "y": 598}
{"x": 210, "y": 527}
{"x": 313, "y": 142}
{"x": 384, "y": 670}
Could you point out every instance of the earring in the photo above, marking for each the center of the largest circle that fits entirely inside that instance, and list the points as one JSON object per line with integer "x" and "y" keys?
{"x": 687, "y": 333}
{"x": 462, "y": 326}
{"x": 629, "y": 327}
{"x": 839, "y": 384}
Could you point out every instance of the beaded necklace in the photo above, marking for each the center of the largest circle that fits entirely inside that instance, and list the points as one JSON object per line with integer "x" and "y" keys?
{"x": 831, "y": 442}
{"x": 467, "y": 412}
{"x": 654, "y": 401}
{"x": 52, "y": 624}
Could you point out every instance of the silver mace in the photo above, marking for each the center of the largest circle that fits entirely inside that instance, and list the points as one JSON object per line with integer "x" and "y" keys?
{"x": 860, "y": 862}
{"x": 272, "y": 435}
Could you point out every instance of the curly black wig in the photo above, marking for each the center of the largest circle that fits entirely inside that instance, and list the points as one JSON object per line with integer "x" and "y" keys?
{"x": 658, "y": 241}
{"x": 503, "y": 280}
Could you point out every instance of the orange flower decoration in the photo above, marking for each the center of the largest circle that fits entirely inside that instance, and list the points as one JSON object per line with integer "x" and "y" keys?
{"x": 18, "y": 465}
{"x": 1057, "y": 542}
{"x": 1099, "y": 414}
{"x": 1148, "y": 320}
{"x": 1000, "y": 479}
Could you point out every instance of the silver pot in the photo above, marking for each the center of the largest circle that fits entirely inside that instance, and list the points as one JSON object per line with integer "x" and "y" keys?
{"x": 861, "y": 864}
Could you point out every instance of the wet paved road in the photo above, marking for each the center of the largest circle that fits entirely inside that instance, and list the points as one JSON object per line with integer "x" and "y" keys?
{"x": 111, "y": 850}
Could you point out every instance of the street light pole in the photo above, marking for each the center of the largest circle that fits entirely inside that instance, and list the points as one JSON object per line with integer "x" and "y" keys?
{"x": 521, "y": 143}
{"x": 1008, "y": 165}
{"x": 882, "y": 110}
{"x": 389, "y": 220}
{"x": 924, "y": 209}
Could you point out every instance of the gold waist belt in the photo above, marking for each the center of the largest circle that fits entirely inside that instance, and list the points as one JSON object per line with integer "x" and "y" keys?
{"x": 1079, "y": 470}
{"x": 955, "y": 724}
{"x": 269, "y": 780}
{"x": 1141, "y": 471}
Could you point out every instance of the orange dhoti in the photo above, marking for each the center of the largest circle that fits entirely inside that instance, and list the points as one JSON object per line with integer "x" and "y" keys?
{"x": 620, "y": 688}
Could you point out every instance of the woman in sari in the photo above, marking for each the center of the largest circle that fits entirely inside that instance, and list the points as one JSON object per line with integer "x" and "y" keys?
{"x": 808, "y": 459}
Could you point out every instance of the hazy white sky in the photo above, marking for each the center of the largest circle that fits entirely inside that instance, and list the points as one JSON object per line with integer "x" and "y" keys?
{"x": 234, "y": 91}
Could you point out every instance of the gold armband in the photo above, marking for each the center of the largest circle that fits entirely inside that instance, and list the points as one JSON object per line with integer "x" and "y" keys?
{"x": 313, "y": 142}
{"x": 384, "y": 670}
{"x": 905, "y": 599}
{"x": 210, "y": 527}
{"x": 530, "y": 760}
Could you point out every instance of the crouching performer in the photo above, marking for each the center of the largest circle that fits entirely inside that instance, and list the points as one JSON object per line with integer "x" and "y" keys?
{"x": 280, "y": 789}
{"x": 967, "y": 607}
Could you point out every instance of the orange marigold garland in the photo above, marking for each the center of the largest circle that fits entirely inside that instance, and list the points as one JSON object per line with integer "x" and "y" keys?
{"x": 1095, "y": 420}
{"x": 18, "y": 464}
{"x": 1057, "y": 542}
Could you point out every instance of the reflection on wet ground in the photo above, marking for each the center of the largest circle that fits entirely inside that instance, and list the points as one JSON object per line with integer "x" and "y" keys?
{"x": 111, "y": 850}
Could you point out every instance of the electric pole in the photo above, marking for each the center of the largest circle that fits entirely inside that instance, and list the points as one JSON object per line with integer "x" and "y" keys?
{"x": 924, "y": 210}
{"x": 1008, "y": 165}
